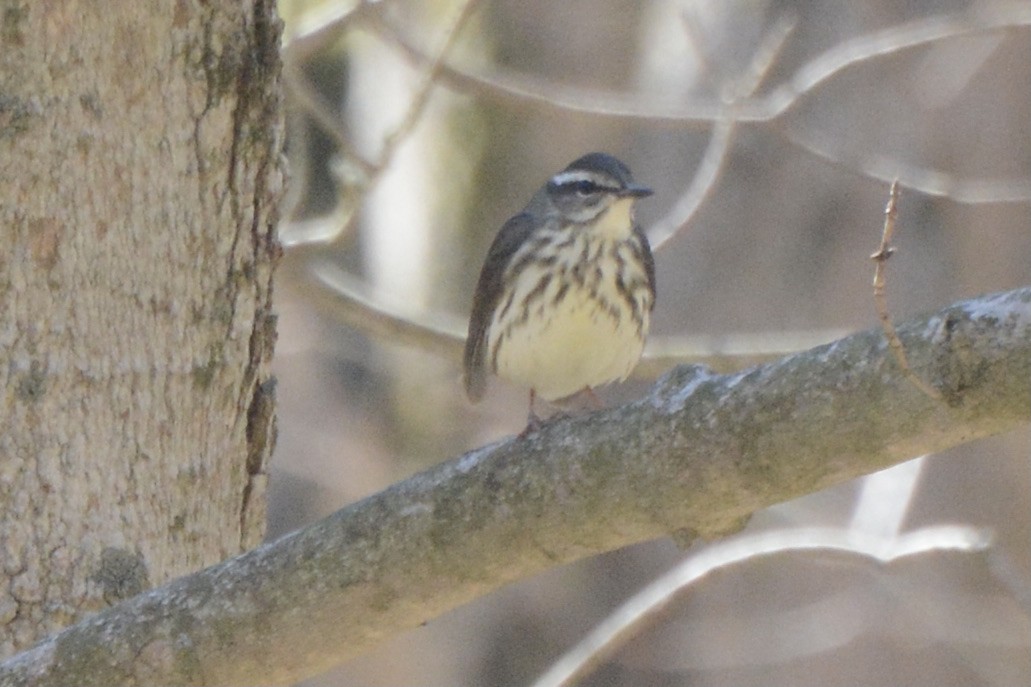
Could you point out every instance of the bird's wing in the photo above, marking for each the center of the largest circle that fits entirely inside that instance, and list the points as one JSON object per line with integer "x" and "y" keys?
{"x": 488, "y": 292}
{"x": 646, "y": 257}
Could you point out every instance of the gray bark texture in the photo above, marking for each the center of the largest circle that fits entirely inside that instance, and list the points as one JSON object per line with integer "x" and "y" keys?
{"x": 139, "y": 179}
{"x": 696, "y": 456}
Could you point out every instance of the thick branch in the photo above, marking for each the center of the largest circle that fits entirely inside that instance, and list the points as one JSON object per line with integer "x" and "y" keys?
{"x": 698, "y": 454}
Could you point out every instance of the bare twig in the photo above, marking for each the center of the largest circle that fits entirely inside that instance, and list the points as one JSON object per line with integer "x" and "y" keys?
{"x": 884, "y": 252}
{"x": 342, "y": 295}
{"x": 314, "y": 30}
{"x": 979, "y": 18}
{"x": 365, "y": 172}
{"x": 708, "y": 171}
{"x": 301, "y": 90}
{"x": 647, "y": 606}
{"x": 324, "y": 229}
{"x": 930, "y": 182}
{"x": 521, "y": 88}
{"x": 331, "y": 22}
{"x": 429, "y": 78}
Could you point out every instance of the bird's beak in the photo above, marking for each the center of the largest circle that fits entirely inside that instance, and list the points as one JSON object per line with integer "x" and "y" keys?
{"x": 635, "y": 191}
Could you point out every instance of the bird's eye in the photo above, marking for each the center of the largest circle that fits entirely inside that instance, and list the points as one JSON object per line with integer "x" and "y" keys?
{"x": 585, "y": 188}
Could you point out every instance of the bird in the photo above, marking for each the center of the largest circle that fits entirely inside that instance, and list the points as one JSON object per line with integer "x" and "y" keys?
{"x": 564, "y": 298}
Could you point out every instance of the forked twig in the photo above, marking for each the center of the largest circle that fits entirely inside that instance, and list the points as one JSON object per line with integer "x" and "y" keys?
{"x": 648, "y": 604}
{"x": 709, "y": 170}
{"x": 363, "y": 173}
{"x": 430, "y": 77}
{"x": 884, "y": 252}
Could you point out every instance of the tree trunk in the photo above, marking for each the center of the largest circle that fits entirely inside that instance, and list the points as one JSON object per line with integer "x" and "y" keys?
{"x": 139, "y": 179}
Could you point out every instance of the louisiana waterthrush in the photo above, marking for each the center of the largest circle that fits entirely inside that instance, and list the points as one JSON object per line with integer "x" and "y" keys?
{"x": 565, "y": 294}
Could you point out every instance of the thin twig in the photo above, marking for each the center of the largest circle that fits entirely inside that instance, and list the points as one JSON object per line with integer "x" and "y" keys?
{"x": 343, "y": 295}
{"x": 709, "y": 169}
{"x": 505, "y": 85}
{"x": 302, "y": 92}
{"x": 314, "y": 30}
{"x": 365, "y": 173}
{"x": 931, "y": 182}
{"x": 430, "y": 76}
{"x": 648, "y": 604}
{"x": 309, "y": 36}
{"x": 310, "y": 33}
{"x": 846, "y": 54}
{"x": 330, "y": 226}
{"x": 884, "y": 252}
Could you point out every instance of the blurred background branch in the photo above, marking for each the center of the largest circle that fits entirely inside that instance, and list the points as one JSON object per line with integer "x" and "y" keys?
{"x": 646, "y": 606}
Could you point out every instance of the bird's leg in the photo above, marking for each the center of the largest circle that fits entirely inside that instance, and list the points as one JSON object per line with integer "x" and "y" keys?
{"x": 533, "y": 421}
{"x": 592, "y": 398}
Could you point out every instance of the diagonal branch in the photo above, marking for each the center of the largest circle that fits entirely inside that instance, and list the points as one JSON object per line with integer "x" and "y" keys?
{"x": 712, "y": 162}
{"x": 697, "y": 454}
{"x": 928, "y": 181}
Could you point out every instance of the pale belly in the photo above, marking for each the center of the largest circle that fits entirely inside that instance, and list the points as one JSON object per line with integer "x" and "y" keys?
{"x": 579, "y": 344}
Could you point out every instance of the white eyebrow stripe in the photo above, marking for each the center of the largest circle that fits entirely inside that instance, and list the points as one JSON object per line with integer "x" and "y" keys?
{"x": 578, "y": 175}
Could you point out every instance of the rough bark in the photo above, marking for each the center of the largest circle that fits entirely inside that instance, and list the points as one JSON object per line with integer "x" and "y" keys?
{"x": 697, "y": 455}
{"x": 139, "y": 179}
